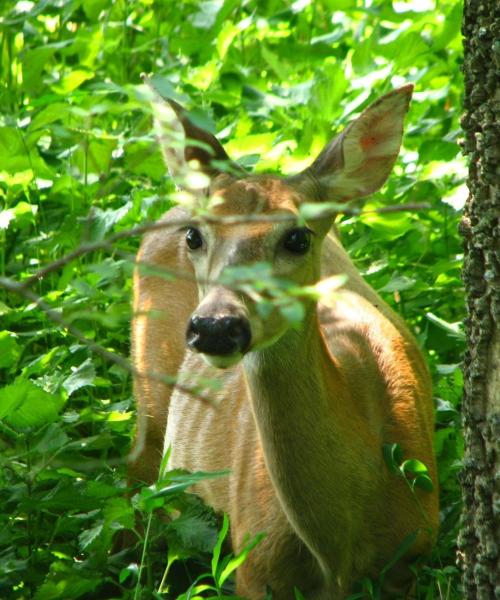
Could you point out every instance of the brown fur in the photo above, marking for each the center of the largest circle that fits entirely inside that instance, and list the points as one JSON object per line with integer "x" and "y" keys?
{"x": 300, "y": 423}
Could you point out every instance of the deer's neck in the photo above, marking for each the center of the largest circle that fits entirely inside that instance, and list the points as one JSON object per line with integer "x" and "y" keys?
{"x": 295, "y": 388}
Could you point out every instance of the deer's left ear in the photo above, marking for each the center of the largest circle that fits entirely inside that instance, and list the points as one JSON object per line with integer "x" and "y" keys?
{"x": 181, "y": 141}
{"x": 358, "y": 161}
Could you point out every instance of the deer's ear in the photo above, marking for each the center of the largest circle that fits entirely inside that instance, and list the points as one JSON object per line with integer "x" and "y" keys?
{"x": 181, "y": 141}
{"x": 358, "y": 161}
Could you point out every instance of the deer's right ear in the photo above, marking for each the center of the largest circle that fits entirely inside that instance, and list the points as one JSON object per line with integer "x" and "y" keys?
{"x": 181, "y": 141}
{"x": 358, "y": 161}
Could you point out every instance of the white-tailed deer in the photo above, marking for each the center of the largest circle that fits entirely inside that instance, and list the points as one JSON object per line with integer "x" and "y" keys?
{"x": 303, "y": 413}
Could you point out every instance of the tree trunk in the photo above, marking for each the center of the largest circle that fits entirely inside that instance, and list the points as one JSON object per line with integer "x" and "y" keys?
{"x": 479, "y": 540}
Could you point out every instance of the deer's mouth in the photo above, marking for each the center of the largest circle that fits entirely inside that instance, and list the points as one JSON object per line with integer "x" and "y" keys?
{"x": 222, "y": 362}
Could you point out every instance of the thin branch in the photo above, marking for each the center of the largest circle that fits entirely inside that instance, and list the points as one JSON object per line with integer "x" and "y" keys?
{"x": 106, "y": 244}
{"x": 19, "y": 288}
{"x": 23, "y": 288}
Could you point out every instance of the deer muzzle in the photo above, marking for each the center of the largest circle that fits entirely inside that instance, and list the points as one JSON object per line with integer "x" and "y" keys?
{"x": 223, "y": 335}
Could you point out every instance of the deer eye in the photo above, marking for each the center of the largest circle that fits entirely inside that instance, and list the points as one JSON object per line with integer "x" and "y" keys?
{"x": 193, "y": 238}
{"x": 297, "y": 241}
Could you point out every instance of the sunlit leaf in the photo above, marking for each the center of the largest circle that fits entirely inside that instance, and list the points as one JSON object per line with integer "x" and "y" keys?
{"x": 24, "y": 405}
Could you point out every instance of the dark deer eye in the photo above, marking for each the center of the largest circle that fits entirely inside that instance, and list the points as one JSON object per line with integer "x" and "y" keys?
{"x": 193, "y": 239}
{"x": 297, "y": 241}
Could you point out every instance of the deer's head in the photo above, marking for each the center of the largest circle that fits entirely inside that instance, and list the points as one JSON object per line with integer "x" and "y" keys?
{"x": 226, "y": 324}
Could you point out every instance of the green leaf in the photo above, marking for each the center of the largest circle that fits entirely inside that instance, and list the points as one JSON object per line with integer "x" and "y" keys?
{"x": 73, "y": 80}
{"x": 195, "y": 528}
{"x": 225, "y": 38}
{"x": 238, "y": 560}
{"x": 90, "y": 535}
{"x": 392, "y": 226}
{"x": 274, "y": 62}
{"x": 454, "y": 330}
{"x": 102, "y": 221}
{"x": 54, "y": 112}
{"x": 398, "y": 283}
{"x": 181, "y": 481}
{"x": 34, "y": 62}
{"x": 10, "y": 350}
{"x": 402, "y": 549}
{"x": 293, "y": 312}
{"x": 93, "y": 8}
{"x": 24, "y": 405}
{"x": 54, "y": 439}
{"x": 218, "y": 546}
{"x": 298, "y": 594}
{"x": 82, "y": 376}
{"x": 393, "y": 456}
{"x": 130, "y": 570}
{"x": 207, "y": 14}
{"x": 419, "y": 474}
{"x": 423, "y": 482}
{"x": 438, "y": 150}
{"x": 413, "y": 466}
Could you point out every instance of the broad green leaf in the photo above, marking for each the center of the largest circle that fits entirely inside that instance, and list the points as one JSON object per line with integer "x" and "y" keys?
{"x": 82, "y": 376}
{"x": 130, "y": 570}
{"x": 438, "y": 150}
{"x": 95, "y": 156}
{"x": 450, "y": 29}
{"x": 73, "y": 80}
{"x": 102, "y": 221}
{"x": 195, "y": 528}
{"x": 70, "y": 585}
{"x": 406, "y": 49}
{"x": 93, "y": 8}
{"x": 54, "y": 439}
{"x": 311, "y": 211}
{"x": 24, "y": 405}
{"x": 423, "y": 482}
{"x": 207, "y": 14}
{"x": 413, "y": 465}
{"x": 34, "y": 62}
{"x": 24, "y": 213}
{"x": 274, "y": 62}
{"x": 392, "y": 226}
{"x": 54, "y": 112}
{"x": 251, "y": 144}
{"x": 10, "y": 350}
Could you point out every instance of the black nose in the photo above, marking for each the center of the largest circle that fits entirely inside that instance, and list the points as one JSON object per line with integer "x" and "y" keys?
{"x": 218, "y": 335}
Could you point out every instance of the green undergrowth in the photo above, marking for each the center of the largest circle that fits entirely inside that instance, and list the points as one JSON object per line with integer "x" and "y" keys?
{"x": 79, "y": 163}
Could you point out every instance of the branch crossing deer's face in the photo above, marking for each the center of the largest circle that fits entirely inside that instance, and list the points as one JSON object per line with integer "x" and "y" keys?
{"x": 226, "y": 324}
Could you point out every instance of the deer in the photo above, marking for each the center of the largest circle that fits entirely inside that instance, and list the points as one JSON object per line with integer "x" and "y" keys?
{"x": 302, "y": 412}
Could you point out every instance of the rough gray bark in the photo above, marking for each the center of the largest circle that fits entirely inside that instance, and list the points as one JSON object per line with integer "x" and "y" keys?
{"x": 479, "y": 542}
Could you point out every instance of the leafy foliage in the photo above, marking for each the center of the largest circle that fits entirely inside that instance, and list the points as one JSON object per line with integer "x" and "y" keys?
{"x": 78, "y": 163}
